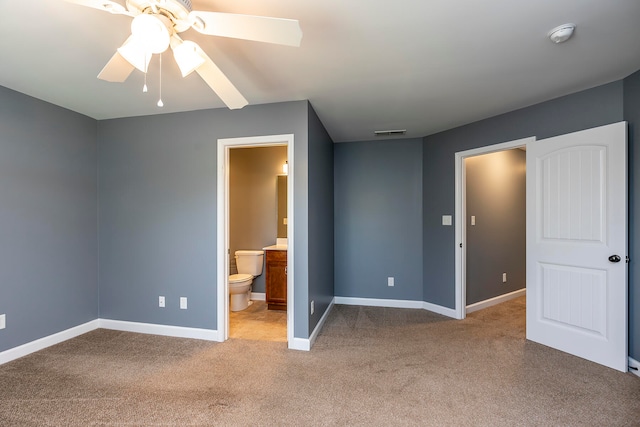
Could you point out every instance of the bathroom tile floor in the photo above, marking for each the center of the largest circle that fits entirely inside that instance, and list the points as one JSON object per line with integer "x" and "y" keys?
{"x": 258, "y": 323}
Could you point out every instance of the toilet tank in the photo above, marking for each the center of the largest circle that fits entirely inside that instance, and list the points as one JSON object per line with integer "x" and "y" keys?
{"x": 250, "y": 262}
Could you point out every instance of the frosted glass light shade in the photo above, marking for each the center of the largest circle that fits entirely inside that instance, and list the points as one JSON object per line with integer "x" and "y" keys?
{"x": 152, "y": 31}
{"x": 136, "y": 54}
{"x": 187, "y": 56}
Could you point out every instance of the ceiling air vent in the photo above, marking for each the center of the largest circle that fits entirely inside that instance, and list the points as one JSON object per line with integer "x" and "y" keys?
{"x": 395, "y": 132}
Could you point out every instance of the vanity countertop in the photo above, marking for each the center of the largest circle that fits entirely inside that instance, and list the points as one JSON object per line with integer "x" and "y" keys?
{"x": 275, "y": 248}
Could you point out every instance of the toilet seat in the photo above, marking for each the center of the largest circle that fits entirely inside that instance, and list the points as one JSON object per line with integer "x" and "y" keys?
{"x": 237, "y": 278}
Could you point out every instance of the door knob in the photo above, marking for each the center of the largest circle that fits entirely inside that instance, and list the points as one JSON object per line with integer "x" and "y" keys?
{"x": 615, "y": 258}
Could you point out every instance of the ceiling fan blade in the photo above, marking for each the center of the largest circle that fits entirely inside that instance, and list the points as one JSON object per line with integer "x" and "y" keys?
{"x": 117, "y": 69}
{"x": 248, "y": 27}
{"x": 220, "y": 84}
{"x": 105, "y": 5}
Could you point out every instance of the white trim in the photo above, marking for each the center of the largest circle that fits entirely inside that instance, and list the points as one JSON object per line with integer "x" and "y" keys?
{"x": 375, "y": 302}
{"x": 222, "y": 230}
{"x": 303, "y": 344}
{"x": 155, "y": 329}
{"x": 460, "y": 214}
{"x": 445, "y": 311}
{"x": 306, "y": 344}
{"x": 395, "y": 303}
{"x": 258, "y": 296}
{"x": 635, "y": 364}
{"x": 496, "y": 300}
{"x": 320, "y": 325}
{"x": 42, "y": 343}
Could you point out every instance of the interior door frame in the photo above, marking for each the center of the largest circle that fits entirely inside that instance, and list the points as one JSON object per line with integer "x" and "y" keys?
{"x": 222, "y": 246}
{"x": 461, "y": 214}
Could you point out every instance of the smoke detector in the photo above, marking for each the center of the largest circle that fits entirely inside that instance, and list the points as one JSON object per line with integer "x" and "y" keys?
{"x": 561, "y": 33}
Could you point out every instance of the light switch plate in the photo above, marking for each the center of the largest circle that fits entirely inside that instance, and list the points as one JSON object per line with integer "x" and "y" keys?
{"x": 3, "y": 321}
{"x": 473, "y": 220}
{"x": 183, "y": 303}
{"x": 446, "y": 219}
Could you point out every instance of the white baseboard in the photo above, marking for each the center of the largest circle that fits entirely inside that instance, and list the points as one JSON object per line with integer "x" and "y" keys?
{"x": 118, "y": 325}
{"x": 258, "y": 296}
{"x": 305, "y": 344}
{"x": 375, "y": 302}
{"x": 48, "y": 341}
{"x": 318, "y": 328}
{"x": 395, "y": 303}
{"x": 155, "y": 329}
{"x": 634, "y": 364}
{"x": 445, "y": 311}
{"x": 496, "y": 300}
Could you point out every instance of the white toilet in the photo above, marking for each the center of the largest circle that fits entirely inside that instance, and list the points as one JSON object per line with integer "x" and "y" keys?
{"x": 249, "y": 265}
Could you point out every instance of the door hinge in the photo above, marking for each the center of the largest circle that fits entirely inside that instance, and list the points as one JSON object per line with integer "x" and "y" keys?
{"x": 627, "y": 259}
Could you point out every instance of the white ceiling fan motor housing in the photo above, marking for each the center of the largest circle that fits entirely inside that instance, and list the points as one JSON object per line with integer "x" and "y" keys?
{"x": 177, "y": 11}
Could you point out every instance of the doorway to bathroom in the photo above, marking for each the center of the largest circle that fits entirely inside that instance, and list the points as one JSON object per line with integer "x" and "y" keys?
{"x": 250, "y": 176}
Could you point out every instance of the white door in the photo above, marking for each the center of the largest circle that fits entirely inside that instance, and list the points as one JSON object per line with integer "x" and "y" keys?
{"x": 577, "y": 244}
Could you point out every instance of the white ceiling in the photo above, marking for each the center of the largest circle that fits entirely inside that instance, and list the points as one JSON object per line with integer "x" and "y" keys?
{"x": 365, "y": 65}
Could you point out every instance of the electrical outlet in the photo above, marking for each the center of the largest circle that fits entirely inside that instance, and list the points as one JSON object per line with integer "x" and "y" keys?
{"x": 3, "y": 321}
{"x": 183, "y": 303}
{"x": 390, "y": 281}
{"x": 160, "y": 301}
{"x": 504, "y": 277}
{"x": 313, "y": 307}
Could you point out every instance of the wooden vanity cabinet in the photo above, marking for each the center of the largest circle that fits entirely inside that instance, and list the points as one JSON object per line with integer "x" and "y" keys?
{"x": 276, "y": 279}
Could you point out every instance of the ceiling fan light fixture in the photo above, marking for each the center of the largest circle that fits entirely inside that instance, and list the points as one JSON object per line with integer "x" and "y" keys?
{"x": 152, "y": 31}
{"x": 188, "y": 57}
{"x": 136, "y": 54}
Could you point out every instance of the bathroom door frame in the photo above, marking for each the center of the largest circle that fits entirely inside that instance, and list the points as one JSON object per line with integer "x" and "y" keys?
{"x": 222, "y": 257}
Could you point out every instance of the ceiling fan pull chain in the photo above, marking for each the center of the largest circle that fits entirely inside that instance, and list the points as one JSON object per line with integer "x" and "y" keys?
{"x": 160, "y": 103}
{"x": 144, "y": 88}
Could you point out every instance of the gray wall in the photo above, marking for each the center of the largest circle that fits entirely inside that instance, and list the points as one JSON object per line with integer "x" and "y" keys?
{"x": 496, "y": 244}
{"x": 632, "y": 115}
{"x": 157, "y": 210}
{"x": 378, "y": 218}
{"x": 253, "y": 200}
{"x": 590, "y": 108}
{"x": 48, "y": 208}
{"x": 321, "y": 221}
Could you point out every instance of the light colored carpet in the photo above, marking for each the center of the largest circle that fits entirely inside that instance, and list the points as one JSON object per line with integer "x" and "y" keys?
{"x": 370, "y": 366}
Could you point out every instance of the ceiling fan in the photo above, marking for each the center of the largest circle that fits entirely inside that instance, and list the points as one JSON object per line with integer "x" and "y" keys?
{"x": 157, "y": 23}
